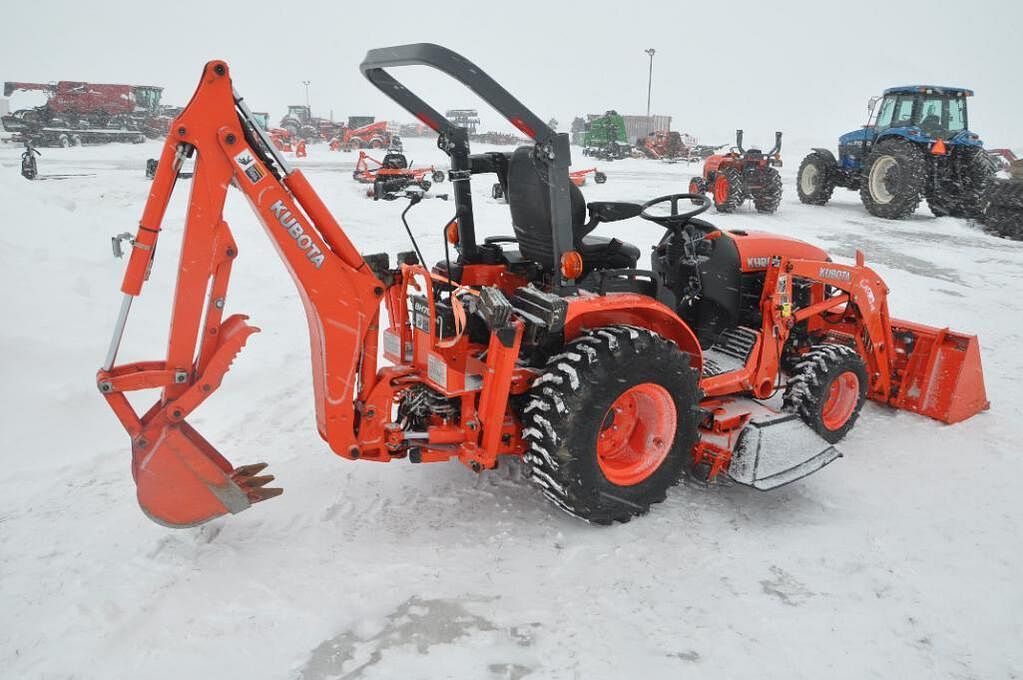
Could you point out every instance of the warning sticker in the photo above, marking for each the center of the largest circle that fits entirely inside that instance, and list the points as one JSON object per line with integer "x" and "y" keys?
{"x": 247, "y": 162}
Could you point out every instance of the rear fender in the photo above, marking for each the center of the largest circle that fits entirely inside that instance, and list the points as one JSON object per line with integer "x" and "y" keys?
{"x": 827, "y": 155}
{"x": 633, "y": 310}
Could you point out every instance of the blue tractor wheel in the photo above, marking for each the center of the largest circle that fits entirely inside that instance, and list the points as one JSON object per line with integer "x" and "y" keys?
{"x": 815, "y": 180}
{"x": 894, "y": 173}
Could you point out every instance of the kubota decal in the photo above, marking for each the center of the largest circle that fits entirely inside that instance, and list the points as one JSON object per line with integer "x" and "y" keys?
{"x": 294, "y": 229}
{"x": 834, "y": 274}
{"x": 757, "y": 262}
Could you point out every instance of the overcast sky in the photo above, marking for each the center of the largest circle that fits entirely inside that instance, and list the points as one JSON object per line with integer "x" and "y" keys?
{"x": 807, "y": 68}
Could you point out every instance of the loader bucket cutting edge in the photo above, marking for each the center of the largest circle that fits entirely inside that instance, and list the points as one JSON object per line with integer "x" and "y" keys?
{"x": 939, "y": 372}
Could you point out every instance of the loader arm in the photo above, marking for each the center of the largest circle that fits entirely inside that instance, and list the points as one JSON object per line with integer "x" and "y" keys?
{"x": 181, "y": 479}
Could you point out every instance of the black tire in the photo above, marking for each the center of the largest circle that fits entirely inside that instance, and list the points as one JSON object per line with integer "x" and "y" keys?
{"x": 438, "y": 176}
{"x": 810, "y": 383}
{"x": 599, "y": 177}
{"x": 569, "y": 408}
{"x": 736, "y": 192}
{"x": 1005, "y": 221}
{"x": 819, "y": 172}
{"x": 767, "y": 197}
{"x": 1005, "y": 193}
{"x": 894, "y": 173}
{"x": 497, "y": 191}
{"x": 964, "y": 193}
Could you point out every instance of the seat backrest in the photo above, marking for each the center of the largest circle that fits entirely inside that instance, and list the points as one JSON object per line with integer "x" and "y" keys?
{"x": 395, "y": 161}
{"x": 531, "y": 211}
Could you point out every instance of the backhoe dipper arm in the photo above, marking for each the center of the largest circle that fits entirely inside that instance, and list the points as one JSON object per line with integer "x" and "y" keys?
{"x": 181, "y": 479}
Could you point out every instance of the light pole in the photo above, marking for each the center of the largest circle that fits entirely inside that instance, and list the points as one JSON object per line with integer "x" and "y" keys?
{"x": 650, "y": 79}
{"x": 306, "y": 83}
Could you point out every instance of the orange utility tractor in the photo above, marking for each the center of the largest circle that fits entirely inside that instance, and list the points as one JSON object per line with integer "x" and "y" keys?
{"x": 741, "y": 175}
{"x": 549, "y": 345}
{"x": 394, "y": 172}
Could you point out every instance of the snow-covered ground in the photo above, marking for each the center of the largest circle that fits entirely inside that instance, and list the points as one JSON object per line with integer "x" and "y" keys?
{"x": 901, "y": 560}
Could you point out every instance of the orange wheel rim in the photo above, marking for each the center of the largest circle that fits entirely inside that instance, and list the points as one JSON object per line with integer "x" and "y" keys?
{"x": 720, "y": 189}
{"x": 636, "y": 434}
{"x": 843, "y": 394}
{"x": 694, "y": 188}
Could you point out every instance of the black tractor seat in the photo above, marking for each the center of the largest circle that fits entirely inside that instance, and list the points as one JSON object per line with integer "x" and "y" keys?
{"x": 534, "y": 230}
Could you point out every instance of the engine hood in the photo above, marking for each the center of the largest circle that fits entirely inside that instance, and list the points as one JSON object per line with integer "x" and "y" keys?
{"x": 756, "y": 248}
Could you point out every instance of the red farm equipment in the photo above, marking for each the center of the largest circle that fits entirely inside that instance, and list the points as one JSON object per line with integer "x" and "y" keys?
{"x": 394, "y": 173}
{"x": 742, "y": 175}
{"x": 370, "y": 136}
{"x": 77, "y": 112}
{"x": 577, "y": 177}
{"x": 609, "y": 382}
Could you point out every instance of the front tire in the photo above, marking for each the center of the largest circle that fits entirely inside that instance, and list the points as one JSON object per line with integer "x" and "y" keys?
{"x": 827, "y": 389}
{"x": 611, "y": 423}
{"x": 815, "y": 179}
{"x": 438, "y": 176}
{"x": 599, "y": 177}
{"x": 728, "y": 190}
{"x": 893, "y": 179}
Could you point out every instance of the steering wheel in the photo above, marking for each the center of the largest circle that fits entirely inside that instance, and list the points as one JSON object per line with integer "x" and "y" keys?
{"x": 675, "y": 221}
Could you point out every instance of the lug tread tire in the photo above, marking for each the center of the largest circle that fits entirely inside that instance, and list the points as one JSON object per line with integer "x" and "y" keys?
{"x": 912, "y": 169}
{"x": 825, "y": 186}
{"x": 808, "y": 385}
{"x": 768, "y": 198}
{"x": 566, "y": 407}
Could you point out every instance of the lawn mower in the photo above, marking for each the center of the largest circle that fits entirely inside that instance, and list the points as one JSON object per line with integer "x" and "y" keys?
{"x": 577, "y": 177}
{"x": 396, "y": 171}
{"x": 741, "y": 175}
{"x": 549, "y": 345}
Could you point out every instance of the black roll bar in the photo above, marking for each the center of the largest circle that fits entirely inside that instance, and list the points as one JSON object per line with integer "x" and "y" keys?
{"x": 552, "y": 148}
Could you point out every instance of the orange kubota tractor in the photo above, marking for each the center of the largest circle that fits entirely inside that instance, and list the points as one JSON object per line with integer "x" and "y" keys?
{"x": 740, "y": 175}
{"x": 609, "y": 381}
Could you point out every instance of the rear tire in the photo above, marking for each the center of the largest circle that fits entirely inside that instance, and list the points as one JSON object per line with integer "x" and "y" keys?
{"x": 571, "y": 423}
{"x": 893, "y": 179}
{"x": 815, "y": 179}
{"x": 497, "y": 191}
{"x": 438, "y": 177}
{"x": 599, "y": 177}
{"x": 964, "y": 194}
{"x": 768, "y": 197}
{"x": 728, "y": 190}
{"x": 827, "y": 389}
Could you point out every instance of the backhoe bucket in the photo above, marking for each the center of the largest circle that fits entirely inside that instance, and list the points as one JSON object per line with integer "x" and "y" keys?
{"x": 182, "y": 481}
{"x": 939, "y": 374}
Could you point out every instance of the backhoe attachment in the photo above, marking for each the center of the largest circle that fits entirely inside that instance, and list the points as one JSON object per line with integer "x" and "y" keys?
{"x": 180, "y": 477}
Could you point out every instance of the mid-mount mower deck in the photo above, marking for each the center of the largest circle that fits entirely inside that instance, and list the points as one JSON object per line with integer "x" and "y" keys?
{"x": 609, "y": 381}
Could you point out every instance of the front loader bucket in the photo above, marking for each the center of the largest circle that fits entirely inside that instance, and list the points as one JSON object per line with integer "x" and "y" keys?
{"x": 182, "y": 481}
{"x": 938, "y": 372}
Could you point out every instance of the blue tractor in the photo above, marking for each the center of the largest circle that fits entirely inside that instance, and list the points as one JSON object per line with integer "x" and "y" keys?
{"x": 916, "y": 144}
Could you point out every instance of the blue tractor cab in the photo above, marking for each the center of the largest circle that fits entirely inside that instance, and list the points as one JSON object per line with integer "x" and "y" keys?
{"x": 916, "y": 144}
